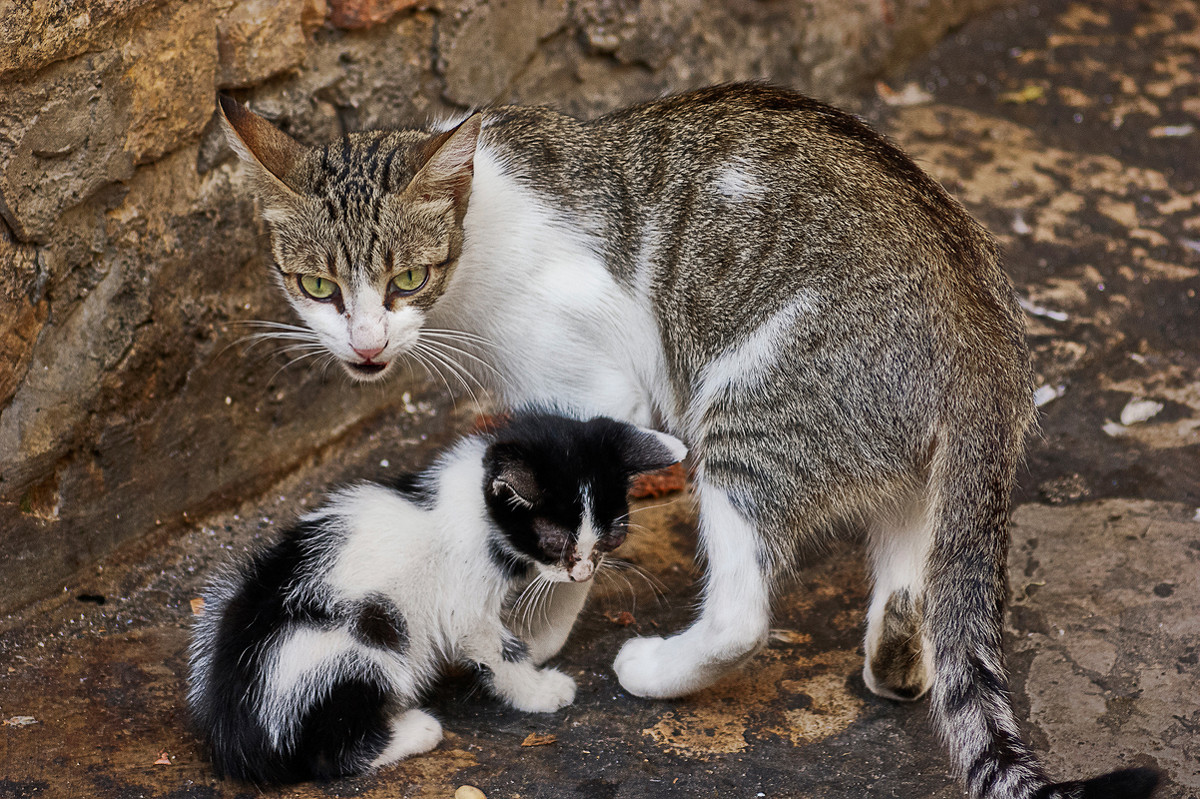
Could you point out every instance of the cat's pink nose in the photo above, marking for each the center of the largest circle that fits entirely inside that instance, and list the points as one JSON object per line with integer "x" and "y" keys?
{"x": 368, "y": 353}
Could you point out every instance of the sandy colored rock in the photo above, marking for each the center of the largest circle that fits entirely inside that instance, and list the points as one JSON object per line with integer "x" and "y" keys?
{"x": 258, "y": 39}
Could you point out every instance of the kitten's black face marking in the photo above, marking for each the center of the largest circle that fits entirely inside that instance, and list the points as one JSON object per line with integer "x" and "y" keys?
{"x": 556, "y": 486}
{"x": 379, "y": 623}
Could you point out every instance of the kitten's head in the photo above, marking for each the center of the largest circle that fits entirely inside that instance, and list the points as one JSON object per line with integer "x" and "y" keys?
{"x": 365, "y": 231}
{"x": 557, "y": 487}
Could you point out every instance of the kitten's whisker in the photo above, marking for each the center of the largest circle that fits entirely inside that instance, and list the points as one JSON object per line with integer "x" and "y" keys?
{"x": 525, "y": 602}
{"x": 616, "y": 566}
{"x": 682, "y": 495}
{"x": 614, "y": 574}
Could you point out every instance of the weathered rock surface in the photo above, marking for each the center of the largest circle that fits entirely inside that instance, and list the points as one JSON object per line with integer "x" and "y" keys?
{"x": 133, "y": 249}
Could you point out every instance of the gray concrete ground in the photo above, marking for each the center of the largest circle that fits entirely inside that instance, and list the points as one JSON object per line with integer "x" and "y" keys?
{"x": 1072, "y": 130}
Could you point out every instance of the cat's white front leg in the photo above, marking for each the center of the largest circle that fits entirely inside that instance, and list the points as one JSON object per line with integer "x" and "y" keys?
{"x": 546, "y": 627}
{"x": 734, "y": 618}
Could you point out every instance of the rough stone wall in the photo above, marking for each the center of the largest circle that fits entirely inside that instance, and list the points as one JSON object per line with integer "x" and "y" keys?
{"x": 130, "y": 251}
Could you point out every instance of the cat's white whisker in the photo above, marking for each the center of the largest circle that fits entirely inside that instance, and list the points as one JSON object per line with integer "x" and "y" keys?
{"x": 459, "y": 335}
{"x": 452, "y": 367}
{"x": 444, "y": 350}
{"x": 292, "y": 361}
{"x": 447, "y": 348}
{"x": 432, "y": 369}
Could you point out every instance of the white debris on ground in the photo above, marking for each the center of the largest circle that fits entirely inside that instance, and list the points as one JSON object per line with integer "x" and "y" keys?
{"x": 1047, "y": 394}
{"x": 1139, "y": 410}
{"x": 20, "y": 721}
{"x": 1038, "y": 310}
{"x": 908, "y": 95}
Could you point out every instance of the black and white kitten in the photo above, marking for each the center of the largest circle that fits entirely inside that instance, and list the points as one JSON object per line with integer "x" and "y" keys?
{"x": 310, "y": 660}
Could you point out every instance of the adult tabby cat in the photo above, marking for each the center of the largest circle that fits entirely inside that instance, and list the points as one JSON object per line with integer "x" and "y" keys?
{"x": 761, "y": 274}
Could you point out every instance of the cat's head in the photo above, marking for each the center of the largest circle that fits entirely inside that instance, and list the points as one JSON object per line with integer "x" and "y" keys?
{"x": 557, "y": 487}
{"x": 366, "y": 231}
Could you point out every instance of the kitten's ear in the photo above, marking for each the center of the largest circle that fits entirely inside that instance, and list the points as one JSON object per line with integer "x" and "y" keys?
{"x": 511, "y": 479}
{"x": 649, "y": 450}
{"x": 271, "y": 152}
{"x": 449, "y": 166}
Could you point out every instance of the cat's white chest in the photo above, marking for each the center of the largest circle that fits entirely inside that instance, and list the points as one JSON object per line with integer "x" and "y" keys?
{"x": 561, "y": 330}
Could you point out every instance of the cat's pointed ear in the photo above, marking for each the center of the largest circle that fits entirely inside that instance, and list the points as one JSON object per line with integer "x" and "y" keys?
{"x": 510, "y": 478}
{"x": 647, "y": 450}
{"x": 449, "y": 166}
{"x": 265, "y": 147}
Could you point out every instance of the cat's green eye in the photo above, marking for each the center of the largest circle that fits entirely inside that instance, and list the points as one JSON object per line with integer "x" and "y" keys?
{"x": 410, "y": 279}
{"x": 319, "y": 288}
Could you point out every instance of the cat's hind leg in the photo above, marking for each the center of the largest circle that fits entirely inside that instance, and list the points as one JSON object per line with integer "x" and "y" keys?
{"x": 899, "y": 662}
{"x": 411, "y": 732}
{"x": 735, "y": 615}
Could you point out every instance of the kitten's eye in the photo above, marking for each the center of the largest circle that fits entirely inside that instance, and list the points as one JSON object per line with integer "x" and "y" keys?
{"x": 319, "y": 288}
{"x": 410, "y": 279}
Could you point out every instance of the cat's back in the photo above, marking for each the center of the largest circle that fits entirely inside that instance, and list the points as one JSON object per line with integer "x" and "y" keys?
{"x": 759, "y": 200}
{"x": 755, "y": 152}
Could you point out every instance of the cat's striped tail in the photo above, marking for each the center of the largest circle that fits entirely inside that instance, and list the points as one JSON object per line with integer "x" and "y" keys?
{"x": 966, "y": 586}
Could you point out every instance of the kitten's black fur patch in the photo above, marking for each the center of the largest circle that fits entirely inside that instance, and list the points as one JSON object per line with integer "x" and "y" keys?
{"x": 256, "y": 612}
{"x": 415, "y": 487}
{"x": 379, "y": 623}
{"x": 512, "y": 566}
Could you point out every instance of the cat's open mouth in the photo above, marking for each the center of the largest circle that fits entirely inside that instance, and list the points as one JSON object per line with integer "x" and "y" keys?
{"x": 365, "y": 370}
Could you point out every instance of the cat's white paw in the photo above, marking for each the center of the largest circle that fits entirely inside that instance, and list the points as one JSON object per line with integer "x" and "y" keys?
{"x": 667, "y": 668}
{"x": 639, "y": 667}
{"x": 546, "y": 693}
{"x": 413, "y": 732}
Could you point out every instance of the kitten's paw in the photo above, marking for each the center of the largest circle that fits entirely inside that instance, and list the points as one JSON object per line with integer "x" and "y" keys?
{"x": 546, "y": 693}
{"x": 412, "y": 733}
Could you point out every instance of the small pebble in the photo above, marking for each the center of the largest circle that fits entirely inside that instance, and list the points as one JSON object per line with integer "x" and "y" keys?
{"x": 469, "y": 792}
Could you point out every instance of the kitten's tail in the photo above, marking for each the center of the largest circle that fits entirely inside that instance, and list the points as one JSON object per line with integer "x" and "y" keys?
{"x": 966, "y": 586}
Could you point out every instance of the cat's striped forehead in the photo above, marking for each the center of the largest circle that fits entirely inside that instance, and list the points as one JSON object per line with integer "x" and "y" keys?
{"x": 352, "y": 176}
{"x": 352, "y": 226}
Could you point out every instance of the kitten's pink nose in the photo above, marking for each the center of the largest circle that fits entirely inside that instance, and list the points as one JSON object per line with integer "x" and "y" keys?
{"x": 367, "y": 353}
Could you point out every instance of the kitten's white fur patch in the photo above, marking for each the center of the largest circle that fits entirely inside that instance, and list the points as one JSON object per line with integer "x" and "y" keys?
{"x": 413, "y": 732}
